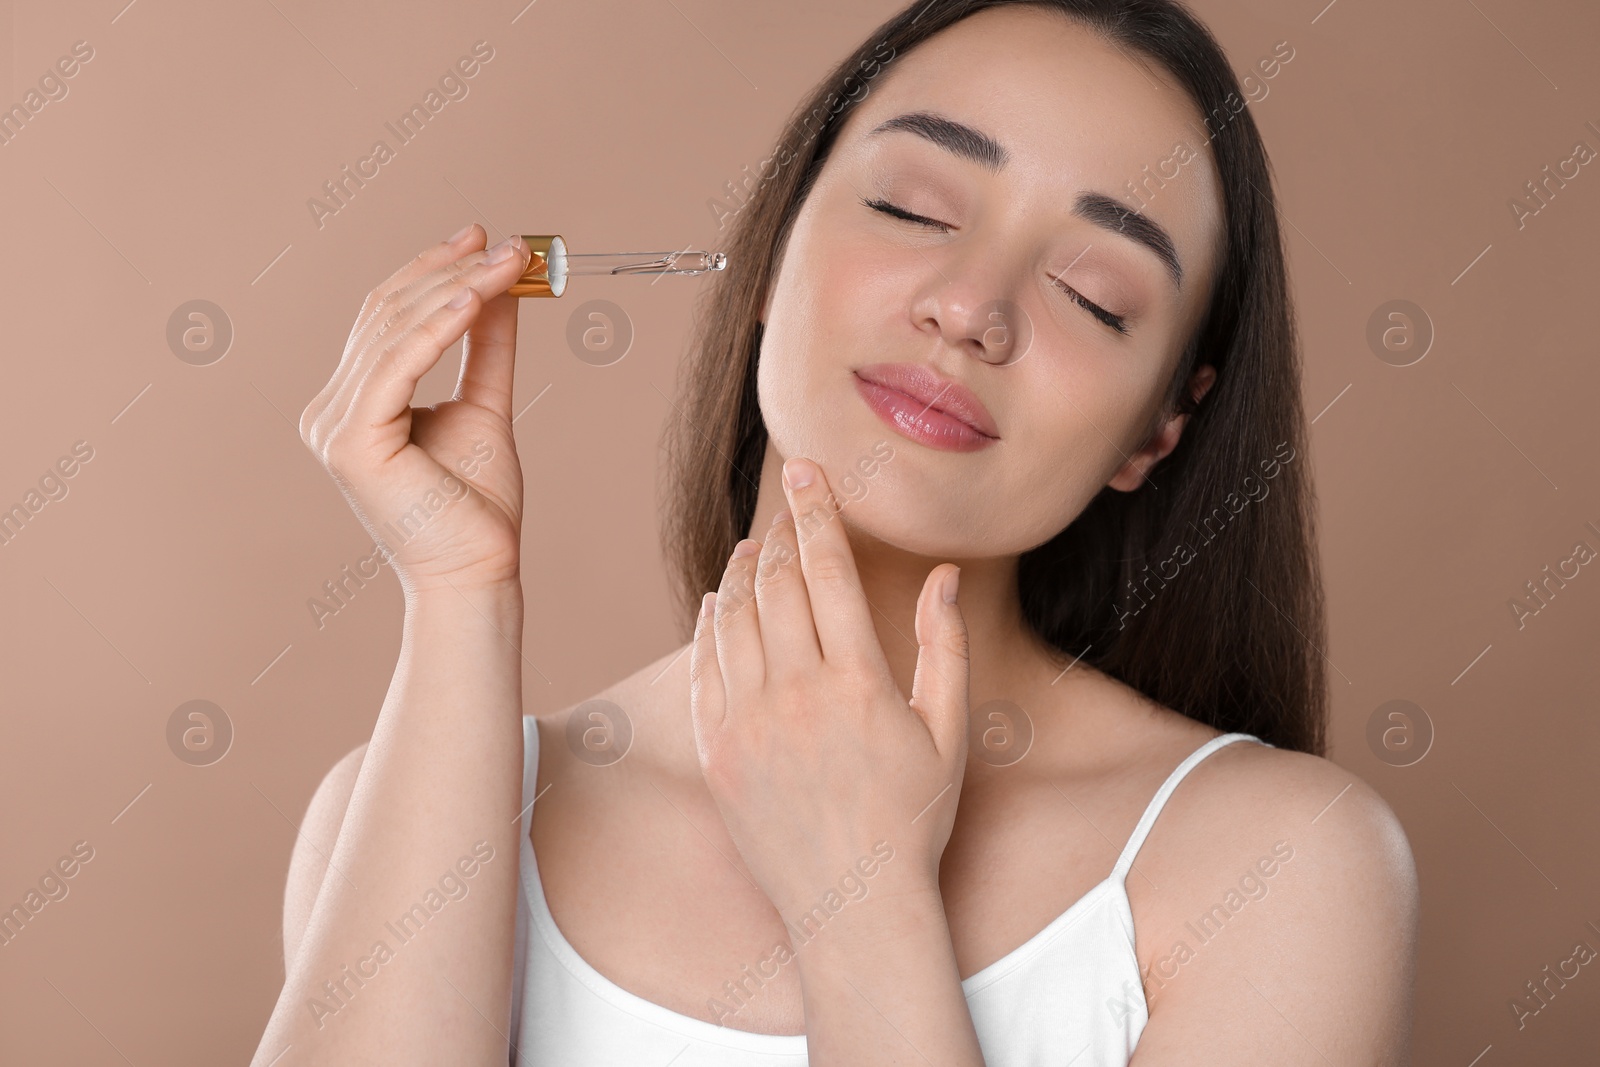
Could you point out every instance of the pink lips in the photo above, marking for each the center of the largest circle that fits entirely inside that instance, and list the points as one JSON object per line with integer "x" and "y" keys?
{"x": 927, "y": 407}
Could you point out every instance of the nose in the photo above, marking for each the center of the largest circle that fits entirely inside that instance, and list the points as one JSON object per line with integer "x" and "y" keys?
{"x": 965, "y": 298}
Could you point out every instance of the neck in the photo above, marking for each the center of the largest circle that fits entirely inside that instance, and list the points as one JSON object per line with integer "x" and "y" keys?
{"x": 1005, "y": 655}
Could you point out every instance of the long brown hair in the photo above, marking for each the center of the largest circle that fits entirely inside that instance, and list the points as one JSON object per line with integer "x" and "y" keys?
{"x": 1193, "y": 589}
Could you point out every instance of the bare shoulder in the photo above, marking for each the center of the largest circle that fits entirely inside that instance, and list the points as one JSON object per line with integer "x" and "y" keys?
{"x": 1248, "y": 791}
{"x": 1280, "y": 890}
{"x": 640, "y": 715}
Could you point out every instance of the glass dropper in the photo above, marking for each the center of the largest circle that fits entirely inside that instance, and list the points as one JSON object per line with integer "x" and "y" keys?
{"x": 687, "y": 262}
{"x": 551, "y": 264}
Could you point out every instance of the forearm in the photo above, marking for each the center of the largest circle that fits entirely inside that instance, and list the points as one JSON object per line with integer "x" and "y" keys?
{"x": 881, "y": 986}
{"x": 439, "y": 788}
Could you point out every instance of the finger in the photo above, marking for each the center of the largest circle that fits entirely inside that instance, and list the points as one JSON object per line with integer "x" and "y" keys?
{"x": 489, "y": 272}
{"x": 737, "y": 627}
{"x": 385, "y": 393}
{"x": 707, "y": 700}
{"x": 939, "y": 690}
{"x": 401, "y": 288}
{"x": 489, "y": 356}
{"x": 410, "y": 341}
{"x": 383, "y": 319}
{"x": 788, "y": 636}
{"x": 429, "y": 259}
{"x": 839, "y": 608}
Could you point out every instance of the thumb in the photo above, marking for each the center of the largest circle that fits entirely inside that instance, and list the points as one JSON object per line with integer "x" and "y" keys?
{"x": 939, "y": 688}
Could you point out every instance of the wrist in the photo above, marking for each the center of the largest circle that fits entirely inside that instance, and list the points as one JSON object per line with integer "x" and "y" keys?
{"x": 499, "y": 602}
{"x": 889, "y": 908}
{"x": 878, "y": 925}
{"x": 880, "y": 873}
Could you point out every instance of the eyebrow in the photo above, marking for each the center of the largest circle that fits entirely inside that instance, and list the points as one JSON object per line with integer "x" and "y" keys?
{"x": 1096, "y": 208}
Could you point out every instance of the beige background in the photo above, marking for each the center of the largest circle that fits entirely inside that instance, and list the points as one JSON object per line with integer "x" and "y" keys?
{"x": 179, "y": 565}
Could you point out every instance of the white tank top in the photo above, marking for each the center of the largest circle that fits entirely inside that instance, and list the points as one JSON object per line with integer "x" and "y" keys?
{"x": 1070, "y": 994}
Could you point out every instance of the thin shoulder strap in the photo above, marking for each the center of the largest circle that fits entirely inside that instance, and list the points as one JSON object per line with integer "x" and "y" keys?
{"x": 1148, "y": 819}
{"x": 530, "y": 778}
{"x": 530, "y": 769}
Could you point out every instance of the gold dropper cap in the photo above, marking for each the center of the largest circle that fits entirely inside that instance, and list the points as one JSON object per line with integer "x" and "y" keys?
{"x": 539, "y": 279}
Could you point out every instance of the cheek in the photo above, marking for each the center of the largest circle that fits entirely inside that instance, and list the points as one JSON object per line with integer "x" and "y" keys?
{"x": 780, "y": 391}
{"x": 834, "y": 308}
{"x": 817, "y": 330}
{"x": 1088, "y": 406}
{"x": 1075, "y": 423}
{"x": 799, "y": 401}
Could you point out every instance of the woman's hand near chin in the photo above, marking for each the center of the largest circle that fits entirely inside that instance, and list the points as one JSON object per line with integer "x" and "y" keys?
{"x": 816, "y": 759}
{"x": 440, "y": 487}
{"x": 810, "y": 749}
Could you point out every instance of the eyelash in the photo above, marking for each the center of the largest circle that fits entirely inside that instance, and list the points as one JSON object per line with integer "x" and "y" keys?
{"x": 1116, "y": 322}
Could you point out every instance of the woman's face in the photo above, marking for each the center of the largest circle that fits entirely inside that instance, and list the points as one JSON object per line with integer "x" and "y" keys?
{"x": 979, "y": 301}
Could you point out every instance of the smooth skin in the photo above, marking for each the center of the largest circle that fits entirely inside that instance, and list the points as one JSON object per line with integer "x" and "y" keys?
{"x": 828, "y": 715}
{"x": 441, "y": 780}
{"x": 813, "y": 756}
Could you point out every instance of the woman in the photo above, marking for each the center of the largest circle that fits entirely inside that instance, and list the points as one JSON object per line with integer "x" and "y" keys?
{"x": 1009, "y": 299}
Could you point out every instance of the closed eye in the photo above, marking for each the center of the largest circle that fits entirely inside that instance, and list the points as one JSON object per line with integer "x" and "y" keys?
{"x": 901, "y": 213}
{"x": 1116, "y": 322}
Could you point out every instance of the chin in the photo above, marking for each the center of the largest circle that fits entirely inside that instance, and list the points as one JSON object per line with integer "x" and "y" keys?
{"x": 891, "y": 495}
{"x": 892, "y": 490}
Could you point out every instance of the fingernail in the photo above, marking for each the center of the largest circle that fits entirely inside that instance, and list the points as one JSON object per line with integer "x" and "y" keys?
{"x": 706, "y": 604}
{"x": 782, "y": 516}
{"x": 797, "y": 473}
{"x": 500, "y": 252}
{"x": 461, "y": 299}
{"x": 746, "y": 547}
{"x": 951, "y": 580}
{"x": 459, "y": 234}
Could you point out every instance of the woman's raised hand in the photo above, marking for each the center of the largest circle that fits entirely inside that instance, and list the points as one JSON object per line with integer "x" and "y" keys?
{"x": 440, "y": 487}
